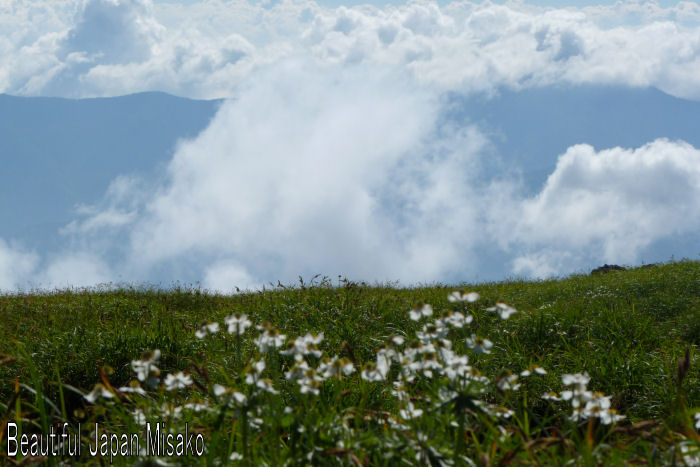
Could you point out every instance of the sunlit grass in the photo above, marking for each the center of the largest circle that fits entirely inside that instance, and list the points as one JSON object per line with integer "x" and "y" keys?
{"x": 588, "y": 369}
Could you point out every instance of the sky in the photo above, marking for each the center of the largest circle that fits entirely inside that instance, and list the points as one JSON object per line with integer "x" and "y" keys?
{"x": 337, "y": 151}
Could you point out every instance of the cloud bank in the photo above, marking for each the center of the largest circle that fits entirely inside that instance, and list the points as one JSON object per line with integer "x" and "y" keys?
{"x": 207, "y": 49}
{"x": 357, "y": 172}
{"x": 614, "y": 202}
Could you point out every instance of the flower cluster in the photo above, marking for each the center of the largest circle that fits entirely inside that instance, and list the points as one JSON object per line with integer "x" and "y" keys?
{"x": 432, "y": 356}
{"x": 425, "y": 374}
{"x": 303, "y": 346}
{"x": 177, "y": 381}
{"x": 585, "y": 404}
{"x": 236, "y": 324}
{"x": 270, "y": 338}
{"x": 146, "y": 370}
{"x": 207, "y": 328}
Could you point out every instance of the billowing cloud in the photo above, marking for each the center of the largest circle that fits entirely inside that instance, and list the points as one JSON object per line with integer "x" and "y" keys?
{"x": 609, "y": 204}
{"x": 310, "y": 171}
{"x": 112, "y": 32}
{"x": 357, "y": 172}
{"x": 73, "y": 269}
{"x": 207, "y": 49}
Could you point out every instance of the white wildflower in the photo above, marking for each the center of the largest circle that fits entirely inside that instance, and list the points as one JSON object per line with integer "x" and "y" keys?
{"x": 388, "y": 354}
{"x": 494, "y": 410}
{"x": 133, "y": 390}
{"x": 235, "y": 457}
{"x": 587, "y": 404}
{"x": 599, "y": 407}
{"x": 480, "y": 345}
{"x": 196, "y": 406}
{"x": 372, "y": 373}
{"x": 177, "y": 381}
{"x": 397, "y": 341}
{"x": 458, "y": 296}
{"x": 297, "y": 371}
{"x": 504, "y": 310}
{"x": 336, "y": 367}
{"x": 302, "y": 346}
{"x": 473, "y": 375}
{"x": 236, "y": 396}
{"x": 533, "y": 369}
{"x": 455, "y": 319}
{"x": 270, "y": 338}
{"x": 139, "y": 417}
{"x": 170, "y": 410}
{"x": 501, "y": 412}
{"x": 454, "y": 366}
{"x": 253, "y": 373}
{"x": 310, "y": 383}
{"x": 551, "y": 396}
{"x": 445, "y": 395}
{"x": 399, "y": 392}
{"x": 237, "y": 324}
{"x": 256, "y": 422}
{"x": 146, "y": 369}
{"x": 208, "y": 328}
{"x": 265, "y": 384}
{"x": 383, "y": 363}
{"x": 417, "y": 349}
{"x": 420, "y": 311}
{"x": 99, "y": 391}
{"x": 430, "y": 332}
{"x": 421, "y": 363}
{"x": 409, "y": 411}
{"x": 239, "y": 398}
{"x": 397, "y": 425}
{"x": 690, "y": 453}
{"x": 697, "y": 421}
{"x": 578, "y": 379}
{"x": 609, "y": 416}
{"x": 508, "y": 383}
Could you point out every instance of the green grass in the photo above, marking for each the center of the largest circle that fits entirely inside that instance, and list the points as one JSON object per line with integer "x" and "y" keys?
{"x": 628, "y": 330}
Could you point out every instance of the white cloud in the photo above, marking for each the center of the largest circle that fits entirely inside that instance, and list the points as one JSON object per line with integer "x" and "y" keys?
{"x": 114, "y": 31}
{"x": 228, "y": 278}
{"x": 74, "y": 269}
{"x": 303, "y": 173}
{"x": 16, "y": 266}
{"x": 24, "y": 270}
{"x": 355, "y": 171}
{"x": 119, "y": 208}
{"x": 607, "y": 205}
{"x": 207, "y": 49}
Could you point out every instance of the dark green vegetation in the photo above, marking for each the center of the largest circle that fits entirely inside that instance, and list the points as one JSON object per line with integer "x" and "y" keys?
{"x": 629, "y": 330}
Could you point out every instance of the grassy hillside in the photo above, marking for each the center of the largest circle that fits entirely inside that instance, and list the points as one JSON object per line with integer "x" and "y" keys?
{"x": 628, "y": 330}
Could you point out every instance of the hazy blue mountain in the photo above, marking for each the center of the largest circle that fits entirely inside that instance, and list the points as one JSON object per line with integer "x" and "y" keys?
{"x": 56, "y": 153}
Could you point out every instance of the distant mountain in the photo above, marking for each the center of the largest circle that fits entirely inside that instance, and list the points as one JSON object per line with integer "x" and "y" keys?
{"x": 56, "y": 153}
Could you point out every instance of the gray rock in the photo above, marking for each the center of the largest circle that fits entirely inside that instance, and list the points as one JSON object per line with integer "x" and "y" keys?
{"x": 607, "y": 268}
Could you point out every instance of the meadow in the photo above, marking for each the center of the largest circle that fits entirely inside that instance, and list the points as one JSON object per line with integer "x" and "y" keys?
{"x": 585, "y": 370}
